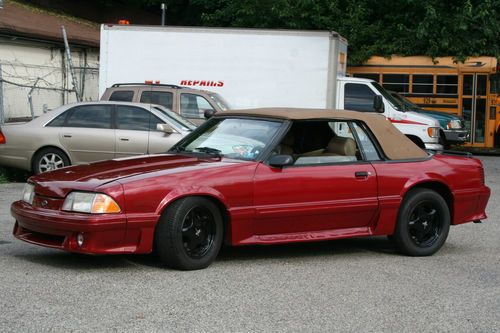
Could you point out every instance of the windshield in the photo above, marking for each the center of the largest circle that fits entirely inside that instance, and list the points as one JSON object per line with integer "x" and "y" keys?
{"x": 407, "y": 104}
{"x": 221, "y": 103}
{"x": 394, "y": 102}
{"x": 237, "y": 138}
{"x": 176, "y": 119}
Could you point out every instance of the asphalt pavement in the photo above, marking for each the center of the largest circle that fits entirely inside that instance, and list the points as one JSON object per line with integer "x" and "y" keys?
{"x": 356, "y": 285}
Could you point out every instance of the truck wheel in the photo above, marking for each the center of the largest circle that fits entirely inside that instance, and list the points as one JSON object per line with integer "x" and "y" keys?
{"x": 189, "y": 234}
{"x": 416, "y": 141}
{"x": 49, "y": 159}
{"x": 442, "y": 141}
{"x": 423, "y": 223}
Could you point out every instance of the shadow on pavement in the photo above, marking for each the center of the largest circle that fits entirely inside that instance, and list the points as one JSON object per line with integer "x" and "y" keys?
{"x": 65, "y": 260}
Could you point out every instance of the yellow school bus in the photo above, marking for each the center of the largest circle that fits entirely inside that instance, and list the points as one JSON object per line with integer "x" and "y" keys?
{"x": 470, "y": 89}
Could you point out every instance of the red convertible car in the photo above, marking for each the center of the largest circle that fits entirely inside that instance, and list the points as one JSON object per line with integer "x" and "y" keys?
{"x": 263, "y": 176}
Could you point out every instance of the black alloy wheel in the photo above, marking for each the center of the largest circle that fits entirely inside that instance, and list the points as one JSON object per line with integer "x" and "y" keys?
{"x": 198, "y": 232}
{"x": 423, "y": 223}
{"x": 189, "y": 233}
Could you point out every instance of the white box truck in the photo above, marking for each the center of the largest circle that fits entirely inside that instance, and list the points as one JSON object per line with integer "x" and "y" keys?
{"x": 253, "y": 68}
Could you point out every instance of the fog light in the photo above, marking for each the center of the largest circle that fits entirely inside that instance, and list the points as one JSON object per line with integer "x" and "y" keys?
{"x": 79, "y": 239}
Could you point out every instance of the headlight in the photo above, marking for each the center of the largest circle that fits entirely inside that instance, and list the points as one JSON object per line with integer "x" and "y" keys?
{"x": 433, "y": 132}
{"x": 92, "y": 203}
{"x": 454, "y": 124}
{"x": 29, "y": 193}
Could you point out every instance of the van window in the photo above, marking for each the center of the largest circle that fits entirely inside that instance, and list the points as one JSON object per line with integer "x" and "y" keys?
{"x": 358, "y": 97}
{"x": 194, "y": 106}
{"x": 158, "y": 97}
{"x": 122, "y": 96}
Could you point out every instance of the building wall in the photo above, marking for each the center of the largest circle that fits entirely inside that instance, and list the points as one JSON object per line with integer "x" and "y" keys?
{"x": 43, "y": 69}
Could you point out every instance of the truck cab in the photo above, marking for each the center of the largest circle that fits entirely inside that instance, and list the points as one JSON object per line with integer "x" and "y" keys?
{"x": 358, "y": 94}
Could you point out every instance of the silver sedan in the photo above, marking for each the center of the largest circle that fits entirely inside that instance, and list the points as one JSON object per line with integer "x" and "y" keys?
{"x": 90, "y": 131}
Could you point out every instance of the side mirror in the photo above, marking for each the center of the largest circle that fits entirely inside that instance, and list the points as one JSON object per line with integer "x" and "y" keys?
{"x": 209, "y": 113}
{"x": 279, "y": 161}
{"x": 165, "y": 128}
{"x": 378, "y": 104}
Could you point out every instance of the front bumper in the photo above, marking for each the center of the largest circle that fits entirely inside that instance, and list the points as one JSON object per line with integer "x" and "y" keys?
{"x": 456, "y": 136}
{"x": 434, "y": 146}
{"x": 103, "y": 234}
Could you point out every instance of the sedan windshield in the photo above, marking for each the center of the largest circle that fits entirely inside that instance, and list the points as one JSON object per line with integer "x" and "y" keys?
{"x": 237, "y": 138}
{"x": 176, "y": 119}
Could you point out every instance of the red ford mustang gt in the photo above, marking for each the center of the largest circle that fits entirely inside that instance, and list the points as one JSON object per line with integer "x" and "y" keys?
{"x": 263, "y": 176}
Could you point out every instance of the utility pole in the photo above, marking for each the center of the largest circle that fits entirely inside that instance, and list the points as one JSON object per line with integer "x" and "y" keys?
{"x": 163, "y": 10}
{"x": 71, "y": 67}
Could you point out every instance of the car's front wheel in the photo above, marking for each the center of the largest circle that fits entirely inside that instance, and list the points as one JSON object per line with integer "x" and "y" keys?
{"x": 49, "y": 159}
{"x": 189, "y": 234}
{"x": 423, "y": 223}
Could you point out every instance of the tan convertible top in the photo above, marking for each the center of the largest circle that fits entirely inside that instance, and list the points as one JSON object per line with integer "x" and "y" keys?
{"x": 395, "y": 144}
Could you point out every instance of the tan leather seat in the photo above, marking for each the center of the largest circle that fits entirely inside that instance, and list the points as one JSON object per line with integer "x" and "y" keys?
{"x": 285, "y": 147}
{"x": 341, "y": 146}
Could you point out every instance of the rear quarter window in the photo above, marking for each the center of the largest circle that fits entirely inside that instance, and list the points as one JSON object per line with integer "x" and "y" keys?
{"x": 122, "y": 96}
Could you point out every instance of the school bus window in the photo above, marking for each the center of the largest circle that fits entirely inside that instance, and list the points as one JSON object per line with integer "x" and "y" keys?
{"x": 481, "y": 85}
{"x": 371, "y": 76}
{"x": 447, "y": 85}
{"x": 397, "y": 82}
{"x": 467, "y": 85}
{"x": 422, "y": 84}
{"x": 495, "y": 83}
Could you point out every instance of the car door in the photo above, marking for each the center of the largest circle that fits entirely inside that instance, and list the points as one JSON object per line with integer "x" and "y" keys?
{"x": 136, "y": 132}
{"x": 320, "y": 192}
{"x": 87, "y": 134}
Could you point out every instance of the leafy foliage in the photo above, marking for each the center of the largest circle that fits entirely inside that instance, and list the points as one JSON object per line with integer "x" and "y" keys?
{"x": 434, "y": 28}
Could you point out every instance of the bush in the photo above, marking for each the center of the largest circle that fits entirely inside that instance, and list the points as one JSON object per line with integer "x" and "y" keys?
{"x": 13, "y": 175}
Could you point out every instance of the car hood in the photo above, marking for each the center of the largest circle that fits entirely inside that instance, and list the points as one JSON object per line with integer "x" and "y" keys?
{"x": 443, "y": 117}
{"x": 89, "y": 177}
{"x": 421, "y": 118}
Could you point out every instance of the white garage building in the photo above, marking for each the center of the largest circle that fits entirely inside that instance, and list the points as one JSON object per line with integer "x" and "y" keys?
{"x": 34, "y": 70}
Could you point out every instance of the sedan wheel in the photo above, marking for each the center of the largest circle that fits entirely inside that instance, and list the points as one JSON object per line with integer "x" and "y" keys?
{"x": 49, "y": 159}
{"x": 423, "y": 223}
{"x": 189, "y": 234}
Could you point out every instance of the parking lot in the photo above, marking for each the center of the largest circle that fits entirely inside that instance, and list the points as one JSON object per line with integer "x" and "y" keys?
{"x": 347, "y": 285}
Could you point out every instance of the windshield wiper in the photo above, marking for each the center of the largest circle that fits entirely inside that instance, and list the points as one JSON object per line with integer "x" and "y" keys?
{"x": 210, "y": 151}
{"x": 178, "y": 149}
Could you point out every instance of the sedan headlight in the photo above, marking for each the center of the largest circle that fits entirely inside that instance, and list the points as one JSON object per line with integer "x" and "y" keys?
{"x": 433, "y": 132}
{"x": 92, "y": 203}
{"x": 29, "y": 193}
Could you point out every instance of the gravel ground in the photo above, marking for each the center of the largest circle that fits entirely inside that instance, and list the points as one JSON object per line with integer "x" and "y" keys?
{"x": 347, "y": 285}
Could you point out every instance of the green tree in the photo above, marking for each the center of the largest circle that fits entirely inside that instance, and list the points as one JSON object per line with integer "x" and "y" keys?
{"x": 434, "y": 28}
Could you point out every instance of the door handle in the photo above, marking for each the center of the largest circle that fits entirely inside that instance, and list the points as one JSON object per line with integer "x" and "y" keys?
{"x": 67, "y": 136}
{"x": 362, "y": 174}
{"x": 124, "y": 139}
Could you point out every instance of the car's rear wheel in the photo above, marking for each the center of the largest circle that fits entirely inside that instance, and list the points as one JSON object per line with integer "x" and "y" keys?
{"x": 423, "y": 223}
{"x": 49, "y": 159}
{"x": 189, "y": 234}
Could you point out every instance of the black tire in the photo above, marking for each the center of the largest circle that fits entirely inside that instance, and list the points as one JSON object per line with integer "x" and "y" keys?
{"x": 189, "y": 234}
{"x": 442, "y": 141}
{"x": 423, "y": 223}
{"x": 417, "y": 141}
{"x": 49, "y": 159}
